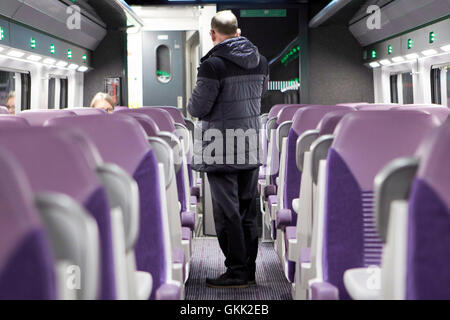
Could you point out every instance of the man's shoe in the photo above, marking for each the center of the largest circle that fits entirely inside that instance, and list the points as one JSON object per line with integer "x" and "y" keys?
{"x": 226, "y": 281}
{"x": 251, "y": 280}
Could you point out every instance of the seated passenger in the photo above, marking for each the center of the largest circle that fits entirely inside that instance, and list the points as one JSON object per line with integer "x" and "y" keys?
{"x": 103, "y": 101}
{"x": 11, "y": 103}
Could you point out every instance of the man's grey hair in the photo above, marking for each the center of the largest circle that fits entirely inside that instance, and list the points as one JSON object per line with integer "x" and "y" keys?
{"x": 225, "y": 22}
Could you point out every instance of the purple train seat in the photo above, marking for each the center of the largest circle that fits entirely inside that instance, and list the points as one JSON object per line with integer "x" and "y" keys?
{"x": 285, "y": 114}
{"x": 439, "y": 111}
{"x": 330, "y": 121}
{"x": 175, "y": 113}
{"x": 306, "y": 118}
{"x": 178, "y": 117}
{"x": 165, "y": 123}
{"x": 427, "y": 264}
{"x": 275, "y": 110}
{"x": 162, "y": 118}
{"x": 150, "y": 127}
{"x": 26, "y": 259}
{"x": 87, "y": 111}
{"x": 123, "y": 141}
{"x": 364, "y": 143}
{"x": 45, "y": 154}
{"x": 4, "y": 110}
{"x": 9, "y": 121}
{"x": 39, "y": 117}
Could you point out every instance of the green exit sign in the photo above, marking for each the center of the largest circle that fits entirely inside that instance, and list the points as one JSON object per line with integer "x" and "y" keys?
{"x": 263, "y": 13}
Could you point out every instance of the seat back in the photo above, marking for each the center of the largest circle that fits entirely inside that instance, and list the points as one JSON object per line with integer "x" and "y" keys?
{"x": 39, "y": 117}
{"x": 439, "y": 111}
{"x": 122, "y": 141}
{"x": 162, "y": 118}
{"x": 87, "y": 111}
{"x": 9, "y": 121}
{"x": 150, "y": 127}
{"x": 53, "y": 164}
{"x": 306, "y": 118}
{"x": 26, "y": 260}
{"x": 330, "y": 121}
{"x": 284, "y": 115}
{"x": 427, "y": 272}
{"x": 175, "y": 113}
{"x": 364, "y": 143}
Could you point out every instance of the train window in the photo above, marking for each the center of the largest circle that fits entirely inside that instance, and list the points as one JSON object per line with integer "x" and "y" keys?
{"x": 63, "y": 96}
{"x": 394, "y": 88}
{"x": 163, "y": 64}
{"x": 436, "y": 96}
{"x": 408, "y": 89}
{"x": 51, "y": 93}
{"x": 7, "y": 85}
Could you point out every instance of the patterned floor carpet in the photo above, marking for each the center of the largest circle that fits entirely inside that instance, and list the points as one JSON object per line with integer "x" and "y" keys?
{"x": 207, "y": 261}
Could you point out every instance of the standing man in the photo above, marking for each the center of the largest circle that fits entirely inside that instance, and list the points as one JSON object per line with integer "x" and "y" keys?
{"x": 232, "y": 79}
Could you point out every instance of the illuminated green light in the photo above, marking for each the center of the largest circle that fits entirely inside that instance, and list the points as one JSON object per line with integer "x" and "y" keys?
{"x": 32, "y": 43}
{"x": 162, "y": 73}
{"x": 410, "y": 43}
{"x": 432, "y": 37}
{"x": 52, "y": 48}
{"x": 390, "y": 50}
{"x": 84, "y": 58}
{"x": 374, "y": 54}
{"x": 2, "y": 33}
{"x": 69, "y": 54}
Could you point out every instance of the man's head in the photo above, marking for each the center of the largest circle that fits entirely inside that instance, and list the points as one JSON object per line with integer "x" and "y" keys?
{"x": 224, "y": 25}
{"x": 11, "y": 102}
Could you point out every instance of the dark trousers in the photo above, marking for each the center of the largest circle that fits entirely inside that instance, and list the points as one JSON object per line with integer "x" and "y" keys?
{"x": 234, "y": 206}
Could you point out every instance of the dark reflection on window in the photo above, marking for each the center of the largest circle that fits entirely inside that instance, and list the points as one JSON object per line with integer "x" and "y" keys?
{"x": 394, "y": 88}
{"x": 7, "y": 85}
{"x": 408, "y": 89}
{"x": 63, "y": 99}
{"x": 26, "y": 91}
{"x": 163, "y": 64}
{"x": 436, "y": 85}
{"x": 448, "y": 85}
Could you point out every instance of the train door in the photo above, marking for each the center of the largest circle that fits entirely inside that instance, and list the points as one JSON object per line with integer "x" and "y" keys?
{"x": 192, "y": 61}
{"x": 163, "y": 54}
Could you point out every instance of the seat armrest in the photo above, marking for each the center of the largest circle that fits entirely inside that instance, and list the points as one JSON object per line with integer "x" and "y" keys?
{"x": 188, "y": 219}
{"x": 270, "y": 190}
{"x": 195, "y": 191}
{"x": 363, "y": 283}
{"x": 168, "y": 292}
{"x": 296, "y": 205}
{"x": 144, "y": 282}
{"x": 324, "y": 291}
{"x": 283, "y": 218}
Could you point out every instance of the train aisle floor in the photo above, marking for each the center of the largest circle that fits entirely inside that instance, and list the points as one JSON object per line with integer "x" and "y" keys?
{"x": 208, "y": 261}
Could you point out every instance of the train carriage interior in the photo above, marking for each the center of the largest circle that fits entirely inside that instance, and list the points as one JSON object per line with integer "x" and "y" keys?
{"x": 100, "y": 197}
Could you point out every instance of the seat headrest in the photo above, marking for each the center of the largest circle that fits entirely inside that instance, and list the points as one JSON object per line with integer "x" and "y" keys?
{"x": 368, "y": 140}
